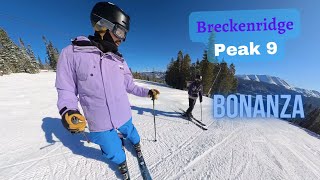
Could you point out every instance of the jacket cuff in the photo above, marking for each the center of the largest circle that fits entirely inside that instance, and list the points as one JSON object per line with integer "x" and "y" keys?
{"x": 146, "y": 92}
{"x": 63, "y": 110}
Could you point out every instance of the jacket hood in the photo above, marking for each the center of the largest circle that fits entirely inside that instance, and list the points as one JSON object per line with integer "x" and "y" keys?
{"x": 83, "y": 44}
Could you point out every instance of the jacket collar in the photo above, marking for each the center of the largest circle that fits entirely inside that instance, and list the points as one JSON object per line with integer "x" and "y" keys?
{"x": 83, "y": 44}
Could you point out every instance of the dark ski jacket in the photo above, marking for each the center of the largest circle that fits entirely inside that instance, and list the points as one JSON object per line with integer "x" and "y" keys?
{"x": 195, "y": 90}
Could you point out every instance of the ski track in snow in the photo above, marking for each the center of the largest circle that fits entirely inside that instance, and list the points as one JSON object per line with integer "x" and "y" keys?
{"x": 203, "y": 155}
{"x": 35, "y": 145}
{"x": 301, "y": 156}
{"x": 35, "y": 162}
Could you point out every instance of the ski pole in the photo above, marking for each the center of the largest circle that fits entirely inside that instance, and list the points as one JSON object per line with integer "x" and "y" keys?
{"x": 213, "y": 82}
{"x": 201, "y": 110}
{"x": 76, "y": 121}
{"x": 154, "y": 122}
{"x": 85, "y": 136}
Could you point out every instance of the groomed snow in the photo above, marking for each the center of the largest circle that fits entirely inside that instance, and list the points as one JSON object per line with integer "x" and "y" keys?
{"x": 34, "y": 144}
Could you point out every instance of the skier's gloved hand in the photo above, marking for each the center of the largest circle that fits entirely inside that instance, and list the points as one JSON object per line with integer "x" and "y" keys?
{"x": 73, "y": 121}
{"x": 153, "y": 93}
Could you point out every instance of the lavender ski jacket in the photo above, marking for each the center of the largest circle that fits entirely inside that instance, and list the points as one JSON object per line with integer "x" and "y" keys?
{"x": 101, "y": 80}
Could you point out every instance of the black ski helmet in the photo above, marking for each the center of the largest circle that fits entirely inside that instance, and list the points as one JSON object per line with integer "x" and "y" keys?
{"x": 110, "y": 12}
{"x": 198, "y": 77}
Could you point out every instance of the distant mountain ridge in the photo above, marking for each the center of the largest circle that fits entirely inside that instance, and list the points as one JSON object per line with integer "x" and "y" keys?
{"x": 157, "y": 74}
{"x": 279, "y": 82}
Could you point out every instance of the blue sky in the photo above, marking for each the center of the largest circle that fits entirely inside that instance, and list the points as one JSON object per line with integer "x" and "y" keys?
{"x": 159, "y": 29}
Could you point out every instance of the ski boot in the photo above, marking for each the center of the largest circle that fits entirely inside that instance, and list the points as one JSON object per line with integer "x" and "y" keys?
{"x": 187, "y": 116}
{"x": 137, "y": 147}
{"x": 191, "y": 115}
{"x": 124, "y": 171}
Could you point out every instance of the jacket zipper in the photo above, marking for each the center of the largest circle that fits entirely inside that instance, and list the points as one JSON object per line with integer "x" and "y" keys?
{"x": 101, "y": 56}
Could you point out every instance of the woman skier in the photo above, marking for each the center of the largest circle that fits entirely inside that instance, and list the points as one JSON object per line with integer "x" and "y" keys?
{"x": 93, "y": 69}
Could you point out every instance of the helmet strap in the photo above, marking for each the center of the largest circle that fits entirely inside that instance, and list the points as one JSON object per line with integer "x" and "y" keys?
{"x": 102, "y": 33}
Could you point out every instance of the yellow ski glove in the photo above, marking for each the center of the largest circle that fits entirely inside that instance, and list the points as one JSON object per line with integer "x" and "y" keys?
{"x": 73, "y": 121}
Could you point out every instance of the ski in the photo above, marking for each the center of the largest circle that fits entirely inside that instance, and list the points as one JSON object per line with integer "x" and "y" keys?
{"x": 142, "y": 164}
{"x": 203, "y": 127}
{"x": 195, "y": 122}
{"x": 198, "y": 121}
{"x": 144, "y": 169}
{"x": 202, "y": 124}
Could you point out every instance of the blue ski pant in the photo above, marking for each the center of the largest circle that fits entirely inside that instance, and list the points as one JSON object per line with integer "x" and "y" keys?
{"x": 111, "y": 144}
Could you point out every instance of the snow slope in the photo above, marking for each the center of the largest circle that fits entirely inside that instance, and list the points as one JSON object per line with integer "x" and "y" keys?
{"x": 34, "y": 144}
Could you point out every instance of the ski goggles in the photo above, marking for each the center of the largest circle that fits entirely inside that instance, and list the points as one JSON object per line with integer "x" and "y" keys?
{"x": 199, "y": 79}
{"x": 119, "y": 31}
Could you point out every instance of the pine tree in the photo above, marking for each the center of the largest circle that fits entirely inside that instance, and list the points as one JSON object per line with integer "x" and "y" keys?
{"x": 14, "y": 59}
{"x": 25, "y": 62}
{"x": 223, "y": 84}
{"x": 206, "y": 72}
{"x": 2, "y": 64}
{"x": 52, "y": 53}
{"x": 198, "y": 67}
{"x": 226, "y": 82}
{"x": 233, "y": 79}
{"x": 215, "y": 76}
{"x": 195, "y": 69}
{"x": 33, "y": 60}
{"x": 173, "y": 75}
{"x": 22, "y": 45}
{"x": 41, "y": 66}
{"x": 29, "y": 64}
{"x": 4, "y": 68}
{"x": 169, "y": 73}
{"x": 177, "y": 72}
{"x": 193, "y": 72}
{"x": 185, "y": 71}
